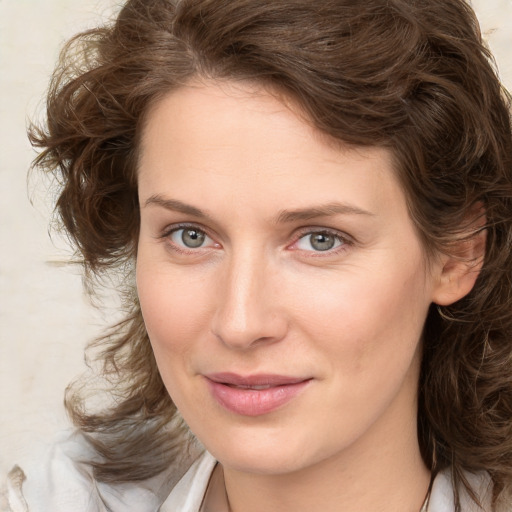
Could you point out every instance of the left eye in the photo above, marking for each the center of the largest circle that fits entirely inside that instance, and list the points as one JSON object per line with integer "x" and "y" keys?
{"x": 190, "y": 238}
{"x": 319, "y": 241}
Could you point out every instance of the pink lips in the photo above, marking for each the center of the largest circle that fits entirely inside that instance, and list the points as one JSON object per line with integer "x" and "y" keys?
{"x": 256, "y": 394}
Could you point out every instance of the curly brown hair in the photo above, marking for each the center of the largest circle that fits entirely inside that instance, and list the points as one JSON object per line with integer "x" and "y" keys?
{"x": 410, "y": 75}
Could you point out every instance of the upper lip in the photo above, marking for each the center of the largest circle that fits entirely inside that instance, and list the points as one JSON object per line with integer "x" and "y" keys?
{"x": 262, "y": 379}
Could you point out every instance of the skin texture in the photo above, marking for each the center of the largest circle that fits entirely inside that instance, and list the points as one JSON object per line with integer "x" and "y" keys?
{"x": 232, "y": 162}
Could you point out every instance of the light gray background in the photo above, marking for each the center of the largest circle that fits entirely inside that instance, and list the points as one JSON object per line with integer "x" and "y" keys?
{"x": 45, "y": 320}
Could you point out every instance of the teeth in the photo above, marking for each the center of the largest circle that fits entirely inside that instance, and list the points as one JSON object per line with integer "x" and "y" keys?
{"x": 255, "y": 388}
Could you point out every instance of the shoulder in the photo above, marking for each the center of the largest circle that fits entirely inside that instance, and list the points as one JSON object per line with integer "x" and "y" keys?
{"x": 442, "y": 494}
{"x": 61, "y": 480}
{"x": 55, "y": 479}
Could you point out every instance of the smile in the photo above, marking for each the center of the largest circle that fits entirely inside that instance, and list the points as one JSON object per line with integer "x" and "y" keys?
{"x": 255, "y": 395}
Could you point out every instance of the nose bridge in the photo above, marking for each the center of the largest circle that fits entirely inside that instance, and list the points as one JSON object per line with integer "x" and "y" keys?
{"x": 247, "y": 311}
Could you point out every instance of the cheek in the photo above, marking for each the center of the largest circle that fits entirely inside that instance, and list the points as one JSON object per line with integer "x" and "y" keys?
{"x": 366, "y": 333}
{"x": 175, "y": 309}
{"x": 175, "y": 322}
{"x": 365, "y": 318}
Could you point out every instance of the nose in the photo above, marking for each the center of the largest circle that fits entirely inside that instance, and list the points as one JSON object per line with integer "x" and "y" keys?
{"x": 248, "y": 311}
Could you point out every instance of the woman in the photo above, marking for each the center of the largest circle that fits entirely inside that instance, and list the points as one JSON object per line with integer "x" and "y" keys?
{"x": 313, "y": 203}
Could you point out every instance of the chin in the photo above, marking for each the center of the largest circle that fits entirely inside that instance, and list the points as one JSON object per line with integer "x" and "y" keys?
{"x": 259, "y": 461}
{"x": 266, "y": 451}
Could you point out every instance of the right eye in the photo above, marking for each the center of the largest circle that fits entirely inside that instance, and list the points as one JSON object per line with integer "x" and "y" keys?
{"x": 190, "y": 238}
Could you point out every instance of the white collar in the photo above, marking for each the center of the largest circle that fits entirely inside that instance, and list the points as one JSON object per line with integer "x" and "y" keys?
{"x": 188, "y": 493}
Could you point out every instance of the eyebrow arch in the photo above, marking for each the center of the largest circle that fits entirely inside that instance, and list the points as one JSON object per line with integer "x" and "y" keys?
{"x": 284, "y": 216}
{"x": 327, "y": 210}
{"x": 177, "y": 206}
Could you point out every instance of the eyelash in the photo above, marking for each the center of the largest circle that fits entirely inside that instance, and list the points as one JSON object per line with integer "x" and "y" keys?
{"x": 167, "y": 233}
{"x": 345, "y": 240}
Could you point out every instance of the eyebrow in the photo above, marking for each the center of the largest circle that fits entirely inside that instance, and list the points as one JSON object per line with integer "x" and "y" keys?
{"x": 177, "y": 206}
{"x": 327, "y": 210}
{"x": 283, "y": 217}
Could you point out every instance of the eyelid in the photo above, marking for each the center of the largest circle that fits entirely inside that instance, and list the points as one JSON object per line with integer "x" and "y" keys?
{"x": 166, "y": 233}
{"x": 346, "y": 240}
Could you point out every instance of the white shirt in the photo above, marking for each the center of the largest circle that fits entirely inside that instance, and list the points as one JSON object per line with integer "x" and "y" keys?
{"x": 61, "y": 483}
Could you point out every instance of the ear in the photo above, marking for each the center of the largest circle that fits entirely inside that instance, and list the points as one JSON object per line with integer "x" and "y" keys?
{"x": 459, "y": 269}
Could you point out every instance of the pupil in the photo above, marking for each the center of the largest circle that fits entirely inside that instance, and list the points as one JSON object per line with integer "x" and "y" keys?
{"x": 322, "y": 241}
{"x": 192, "y": 238}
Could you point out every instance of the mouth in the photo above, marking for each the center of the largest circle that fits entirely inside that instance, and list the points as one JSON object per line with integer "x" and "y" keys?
{"x": 254, "y": 395}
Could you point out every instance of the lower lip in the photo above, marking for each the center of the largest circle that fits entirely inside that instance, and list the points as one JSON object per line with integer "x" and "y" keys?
{"x": 254, "y": 402}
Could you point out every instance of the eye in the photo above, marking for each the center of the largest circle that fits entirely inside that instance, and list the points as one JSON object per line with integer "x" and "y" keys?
{"x": 319, "y": 241}
{"x": 190, "y": 238}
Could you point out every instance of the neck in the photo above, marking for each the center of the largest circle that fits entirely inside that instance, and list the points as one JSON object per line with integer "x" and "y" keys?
{"x": 375, "y": 484}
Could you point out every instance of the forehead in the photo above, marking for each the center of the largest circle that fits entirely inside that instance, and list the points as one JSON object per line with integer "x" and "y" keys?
{"x": 214, "y": 111}
{"x": 242, "y": 140}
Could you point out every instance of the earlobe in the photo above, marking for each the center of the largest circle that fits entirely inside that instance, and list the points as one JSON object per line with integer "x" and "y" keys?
{"x": 459, "y": 270}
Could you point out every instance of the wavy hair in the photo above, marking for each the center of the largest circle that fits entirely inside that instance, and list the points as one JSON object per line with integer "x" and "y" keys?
{"x": 410, "y": 75}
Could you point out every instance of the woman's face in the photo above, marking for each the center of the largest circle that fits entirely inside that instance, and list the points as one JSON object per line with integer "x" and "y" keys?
{"x": 282, "y": 282}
